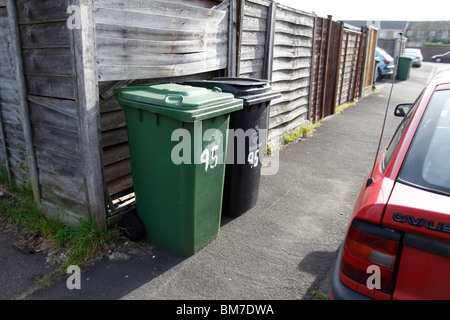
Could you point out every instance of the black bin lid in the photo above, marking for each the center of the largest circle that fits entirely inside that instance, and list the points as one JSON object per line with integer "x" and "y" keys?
{"x": 251, "y": 91}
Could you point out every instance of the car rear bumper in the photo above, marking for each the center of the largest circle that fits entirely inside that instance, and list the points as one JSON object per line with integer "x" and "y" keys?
{"x": 389, "y": 69}
{"x": 340, "y": 291}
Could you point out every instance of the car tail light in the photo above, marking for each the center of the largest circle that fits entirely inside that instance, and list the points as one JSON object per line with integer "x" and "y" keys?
{"x": 370, "y": 245}
{"x": 386, "y": 61}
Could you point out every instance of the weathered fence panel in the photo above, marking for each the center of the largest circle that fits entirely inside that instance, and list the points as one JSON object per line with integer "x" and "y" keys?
{"x": 155, "y": 39}
{"x": 291, "y": 71}
{"x": 49, "y": 72}
{"x": 12, "y": 153}
{"x": 254, "y": 32}
{"x": 325, "y": 68}
{"x": 369, "y": 69}
{"x": 351, "y": 66}
{"x": 16, "y": 135}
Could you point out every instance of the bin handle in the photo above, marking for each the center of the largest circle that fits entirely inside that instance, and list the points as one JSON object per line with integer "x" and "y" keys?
{"x": 174, "y": 99}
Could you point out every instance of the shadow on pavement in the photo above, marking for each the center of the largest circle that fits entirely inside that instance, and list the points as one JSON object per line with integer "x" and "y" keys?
{"x": 318, "y": 263}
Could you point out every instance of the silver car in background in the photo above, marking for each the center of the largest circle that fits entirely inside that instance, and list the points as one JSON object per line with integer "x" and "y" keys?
{"x": 416, "y": 55}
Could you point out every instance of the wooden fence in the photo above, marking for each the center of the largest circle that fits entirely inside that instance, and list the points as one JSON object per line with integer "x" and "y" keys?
{"x": 63, "y": 132}
{"x": 343, "y": 66}
{"x": 316, "y": 63}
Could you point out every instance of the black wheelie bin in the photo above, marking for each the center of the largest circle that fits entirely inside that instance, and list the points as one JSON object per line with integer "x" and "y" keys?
{"x": 247, "y": 132}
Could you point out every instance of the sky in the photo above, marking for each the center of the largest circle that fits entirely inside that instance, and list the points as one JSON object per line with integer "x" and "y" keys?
{"x": 374, "y": 10}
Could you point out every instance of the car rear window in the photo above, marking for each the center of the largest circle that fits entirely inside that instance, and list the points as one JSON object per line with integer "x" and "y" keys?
{"x": 427, "y": 163}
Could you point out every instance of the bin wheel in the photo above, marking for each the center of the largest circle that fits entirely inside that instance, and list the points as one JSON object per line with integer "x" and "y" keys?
{"x": 133, "y": 227}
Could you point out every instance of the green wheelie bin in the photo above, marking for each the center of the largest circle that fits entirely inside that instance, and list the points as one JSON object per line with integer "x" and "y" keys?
{"x": 178, "y": 141}
{"x": 404, "y": 67}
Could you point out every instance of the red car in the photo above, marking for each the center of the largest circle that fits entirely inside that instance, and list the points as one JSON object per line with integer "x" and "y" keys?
{"x": 397, "y": 244}
{"x": 441, "y": 57}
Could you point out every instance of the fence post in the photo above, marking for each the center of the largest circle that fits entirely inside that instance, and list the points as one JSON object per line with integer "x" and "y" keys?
{"x": 270, "y": 36}
{"x": 327, "y": 57}
{"x": 233, "y": 39}
{"x": 341, "y": 37}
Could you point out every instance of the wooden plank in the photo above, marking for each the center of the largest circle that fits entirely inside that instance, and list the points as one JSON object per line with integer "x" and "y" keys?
{"x": 252, "y": 52}
{"x": 291, "y": 64}
{"x": 64, "y": 192}
{"x": 282, "y": 75}
{"x": 150, "y": 20}
{"x": 115, "y": 153}
{"x": 112, "y": 137}
{"x": 151, "y": 59}
{"x": 255, "y": 24}
{"x": 109, "y": 105}
{"x": 119, "y": 185}
{"x": 112, "y": 120}
{"x": 56, "y": 139}
{"x": 288, "y": 116}
{"x": 117, "y": 170}
{"x": 256, "y": 10}
{"x": 45, "y": 35}
{"x": 292, "y": 52}
{"x": 154, "y": 34}
{"x": 113, "y": 46}
{"x": 51, "y": 86}
{"x": 66, "y": 165}
{"x": 294, "y": 18}
{"x": 51, "y": 61}
{"x": 197, "y": 3}
{"x": 251, "y": 66}
{"x": 296, "y": 30}
{"x": 293, "y": 94}
{"x": 60, "y": 106}
{"x": 41, "y": 115}
{"x": 253, "y": 38}
{"x": 288, "y": 105}
{"x": 32, "y": 11}
{"x": 165, "y": 8}
{"x": 282, "y": 39}
{"x": 115, "y": 72}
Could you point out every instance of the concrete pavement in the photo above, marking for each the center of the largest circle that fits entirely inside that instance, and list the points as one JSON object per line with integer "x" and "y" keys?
{"x": 282, "y": 249}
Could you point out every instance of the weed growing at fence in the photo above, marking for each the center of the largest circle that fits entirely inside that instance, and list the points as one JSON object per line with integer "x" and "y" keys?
{"x": 344, "y": 106}
{"x": 301, "y": 132}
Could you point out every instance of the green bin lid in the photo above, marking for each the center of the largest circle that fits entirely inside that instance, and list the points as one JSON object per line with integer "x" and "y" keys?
{"x": 182, "y": 102}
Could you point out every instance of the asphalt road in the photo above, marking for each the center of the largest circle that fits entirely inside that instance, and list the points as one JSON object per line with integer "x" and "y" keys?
{"x": 282, "y": 249}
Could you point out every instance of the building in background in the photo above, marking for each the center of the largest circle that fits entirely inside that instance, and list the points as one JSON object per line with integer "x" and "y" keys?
{"x": 429, "y": 36}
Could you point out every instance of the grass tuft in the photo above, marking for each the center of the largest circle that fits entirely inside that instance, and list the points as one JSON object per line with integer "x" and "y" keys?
{"x": 82, "y": 242}
{"x": 302, "y": 131}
